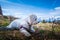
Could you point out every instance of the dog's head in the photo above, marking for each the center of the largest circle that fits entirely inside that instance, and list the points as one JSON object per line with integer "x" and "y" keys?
{"x": 32, "y": 19}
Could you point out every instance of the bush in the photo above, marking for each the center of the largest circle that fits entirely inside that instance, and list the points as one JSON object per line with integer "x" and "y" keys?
{"x": 43, "y": 21}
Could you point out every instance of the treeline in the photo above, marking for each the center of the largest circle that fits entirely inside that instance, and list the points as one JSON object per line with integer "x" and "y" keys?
{"x": 54, "y": 21}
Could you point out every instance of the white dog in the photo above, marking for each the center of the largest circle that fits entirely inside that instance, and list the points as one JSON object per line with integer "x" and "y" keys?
{"x": 24, "y": 24}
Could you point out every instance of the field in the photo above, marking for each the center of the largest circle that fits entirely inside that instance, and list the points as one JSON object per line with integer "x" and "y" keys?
{"x": 47, "y": 31}
{"x": 48, "y": 26}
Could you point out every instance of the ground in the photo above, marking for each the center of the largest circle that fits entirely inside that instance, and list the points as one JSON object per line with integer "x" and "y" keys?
{"x": 45, "y": 33}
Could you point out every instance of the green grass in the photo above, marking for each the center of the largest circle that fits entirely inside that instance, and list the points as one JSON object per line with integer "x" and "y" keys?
{"x": 4, "y": 23}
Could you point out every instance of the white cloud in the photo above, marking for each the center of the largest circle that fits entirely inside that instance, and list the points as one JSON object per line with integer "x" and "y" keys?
{"x": 23, "y": 13}
{"x": 55, "y": 12}
{"x": 57, "y": 8}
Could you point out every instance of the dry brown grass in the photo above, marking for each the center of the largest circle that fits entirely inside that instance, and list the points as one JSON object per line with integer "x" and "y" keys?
{"x": 16, "y": 35}
{"x": 48, "y": 26}
{"x": 44, "y": 34}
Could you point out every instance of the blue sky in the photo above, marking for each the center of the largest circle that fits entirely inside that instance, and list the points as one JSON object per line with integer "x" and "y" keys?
{"x": 23, "y": 8}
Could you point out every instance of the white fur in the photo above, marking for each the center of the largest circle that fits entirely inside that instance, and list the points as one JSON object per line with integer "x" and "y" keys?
{"x": 18, "y": 22}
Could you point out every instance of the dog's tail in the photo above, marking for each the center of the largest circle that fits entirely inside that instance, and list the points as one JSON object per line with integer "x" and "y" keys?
{"x": 6, "y": 29}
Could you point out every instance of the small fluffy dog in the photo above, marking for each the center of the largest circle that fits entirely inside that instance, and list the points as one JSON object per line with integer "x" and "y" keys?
{"x": 24, "y": 25}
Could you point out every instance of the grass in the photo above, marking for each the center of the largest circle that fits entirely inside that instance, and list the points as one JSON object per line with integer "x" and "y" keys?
{"x": 4, "y": 22}
{"x": 45, "y": 33}
{"x": 48, "y": 26}
{"x": 16, "y": 35}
